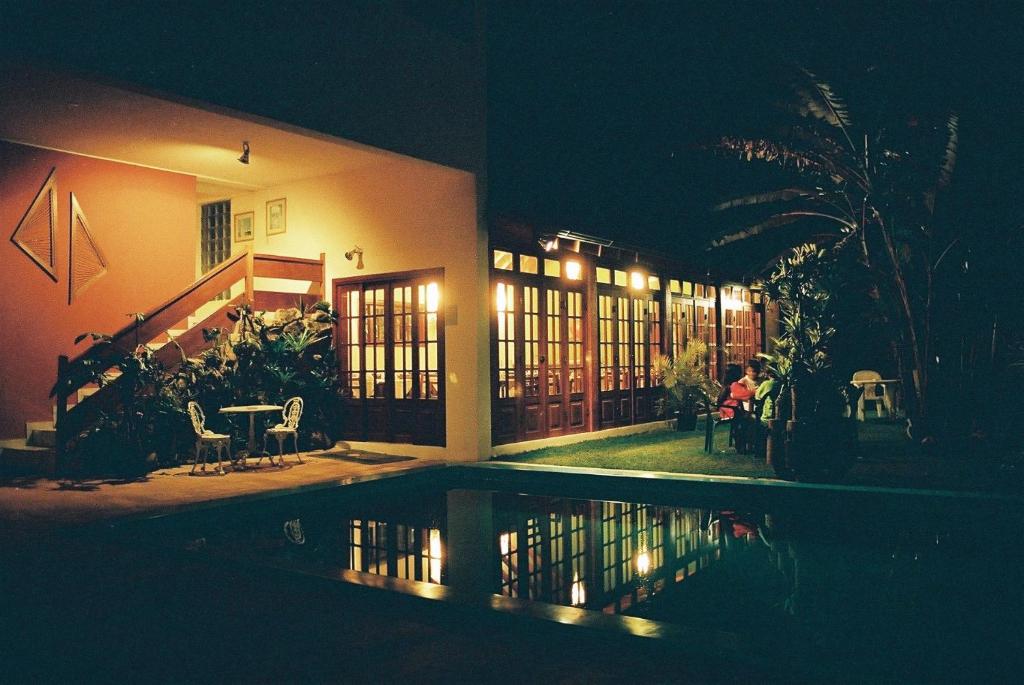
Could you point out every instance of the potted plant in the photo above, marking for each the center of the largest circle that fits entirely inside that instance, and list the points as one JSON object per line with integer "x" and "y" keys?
{"x": 810, "y": 438}
{"x": 685, "y": 383}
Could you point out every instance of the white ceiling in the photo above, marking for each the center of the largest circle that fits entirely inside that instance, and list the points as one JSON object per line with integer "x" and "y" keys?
{"x": 68, "y": 113}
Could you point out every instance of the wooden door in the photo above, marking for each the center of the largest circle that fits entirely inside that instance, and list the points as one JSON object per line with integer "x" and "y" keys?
{"x": 391, "y": 357}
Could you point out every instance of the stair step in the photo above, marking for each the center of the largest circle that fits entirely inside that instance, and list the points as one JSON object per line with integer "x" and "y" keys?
{"x": 85, "y": 392}
{"x": 18, "y": 458}
{"x": 40, "y": 434}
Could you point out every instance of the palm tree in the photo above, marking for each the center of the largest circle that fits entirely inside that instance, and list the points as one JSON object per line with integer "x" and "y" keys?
{"x": 872, "y": 193}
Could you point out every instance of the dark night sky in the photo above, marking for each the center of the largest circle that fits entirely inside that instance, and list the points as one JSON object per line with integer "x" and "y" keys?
{"x": 595, "y": 116}
{"x": 595, "y": 110}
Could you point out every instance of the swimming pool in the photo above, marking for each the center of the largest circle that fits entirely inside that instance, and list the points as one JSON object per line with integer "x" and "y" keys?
{"x": 837, "y": 583}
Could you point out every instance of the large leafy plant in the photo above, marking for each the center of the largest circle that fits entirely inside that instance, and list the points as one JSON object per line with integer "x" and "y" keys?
{"x": 684, "y": 379}
{"x": 874, "y": 191}
{"x": 268, "y": 358}
{"x": 263, "y": 359}
{"x": 804, "y": 285}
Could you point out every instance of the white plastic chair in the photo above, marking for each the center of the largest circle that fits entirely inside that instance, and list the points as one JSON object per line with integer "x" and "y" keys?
{"x": 206, "y": 438}
{"x": 290, "y": 415}
{"x": 883, "y": 402}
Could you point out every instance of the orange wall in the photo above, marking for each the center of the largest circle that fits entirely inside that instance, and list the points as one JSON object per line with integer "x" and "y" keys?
{"x": 144, "y": 222}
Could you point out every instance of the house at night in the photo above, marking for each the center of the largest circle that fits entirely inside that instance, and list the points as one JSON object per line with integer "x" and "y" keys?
{"x": 460, "y": 336}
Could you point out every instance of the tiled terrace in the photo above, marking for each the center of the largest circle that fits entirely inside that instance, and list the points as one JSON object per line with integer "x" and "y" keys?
{"x": 40, "y": 502}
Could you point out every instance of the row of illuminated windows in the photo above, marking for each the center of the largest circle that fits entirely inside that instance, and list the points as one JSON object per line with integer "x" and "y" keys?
{"x": 733, "y": 297}
{"x": 396, "y": 549}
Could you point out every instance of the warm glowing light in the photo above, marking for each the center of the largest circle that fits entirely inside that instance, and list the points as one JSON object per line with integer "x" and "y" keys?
{"x": 579, "y": 591}
{"x": 435, "y": 555}
{"x": 500, "y": 296}
{"x": 573, "y": 270}
{"x": 637, "y": 280}
{"x": 433, "y": 297}
{"x": 643, "y": 563}
{"x": 503, "y": 543}
{"x": 729, "y": 302}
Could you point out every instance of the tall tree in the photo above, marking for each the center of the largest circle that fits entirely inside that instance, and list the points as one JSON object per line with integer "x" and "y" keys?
{"x": 875, "y": 192}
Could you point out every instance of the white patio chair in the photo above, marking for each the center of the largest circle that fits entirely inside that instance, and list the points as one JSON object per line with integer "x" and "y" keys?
{"x": 290, "y": 415}
{"x": 883, "y": 402}
{"x": 206, "y": 438}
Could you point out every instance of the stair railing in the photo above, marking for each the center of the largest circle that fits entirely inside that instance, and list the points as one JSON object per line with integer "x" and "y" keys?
{"x": 245, "y": 266}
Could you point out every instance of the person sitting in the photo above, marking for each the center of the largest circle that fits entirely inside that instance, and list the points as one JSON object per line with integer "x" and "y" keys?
{"x": 753, "y": 373}
{"x": 735, "y": 401}
{"x": 727, "y": 403}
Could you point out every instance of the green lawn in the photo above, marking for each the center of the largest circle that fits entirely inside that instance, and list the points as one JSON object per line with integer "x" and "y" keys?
{"x": 665, "y": 450}
{"x": 887, "y": 458}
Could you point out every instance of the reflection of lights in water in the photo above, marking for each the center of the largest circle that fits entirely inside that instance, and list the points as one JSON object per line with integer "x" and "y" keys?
{"x": 293, "y": 531}
{"x": 579, "y": 590}
{"x": 435, "y": 555}
{"x": 643, "y": 563}
{"x": 643, "y": 557}
{"x": 503, "y": 543}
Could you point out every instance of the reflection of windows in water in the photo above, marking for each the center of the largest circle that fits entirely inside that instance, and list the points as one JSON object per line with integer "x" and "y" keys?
{"x": 397, "y": 550}
{"x": 534, "y": 558}
{"x": 609, "y": 545}
{"x": 508, "y": 552}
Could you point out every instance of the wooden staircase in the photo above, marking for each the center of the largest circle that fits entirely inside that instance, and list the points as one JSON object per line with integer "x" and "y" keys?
{"x": 77, "y": 403}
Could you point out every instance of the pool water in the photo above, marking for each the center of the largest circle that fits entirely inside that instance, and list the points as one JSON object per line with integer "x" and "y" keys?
{"x": 852, "y": 596}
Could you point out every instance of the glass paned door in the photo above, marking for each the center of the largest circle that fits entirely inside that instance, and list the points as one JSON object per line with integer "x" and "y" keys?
{"x": 538, "y": 355}
{"x": 391, "y": 351}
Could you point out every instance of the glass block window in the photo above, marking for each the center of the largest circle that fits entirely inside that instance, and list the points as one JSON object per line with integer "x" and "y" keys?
{"x": 215, "y": 234}
{"x": 215, "y": 237}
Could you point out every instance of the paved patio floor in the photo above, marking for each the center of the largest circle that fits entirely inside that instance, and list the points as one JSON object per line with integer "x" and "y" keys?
{"x": 41, "y": 502}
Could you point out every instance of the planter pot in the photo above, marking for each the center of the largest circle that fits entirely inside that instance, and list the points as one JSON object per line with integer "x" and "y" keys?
{"x": 775, "y": 449}
{"x": 822, "y": 450}
{"x": 686, "y": 421}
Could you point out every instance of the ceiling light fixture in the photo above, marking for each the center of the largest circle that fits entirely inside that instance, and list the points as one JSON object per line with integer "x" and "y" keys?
{"x": 244, "y": 159}
{"x": 548, "y": 242}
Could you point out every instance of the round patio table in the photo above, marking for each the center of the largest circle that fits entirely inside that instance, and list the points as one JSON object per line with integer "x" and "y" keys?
{"x": 252, "y": 410}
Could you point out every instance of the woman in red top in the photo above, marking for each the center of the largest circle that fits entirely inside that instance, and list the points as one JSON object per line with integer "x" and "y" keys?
{"x": 736, "y": 388}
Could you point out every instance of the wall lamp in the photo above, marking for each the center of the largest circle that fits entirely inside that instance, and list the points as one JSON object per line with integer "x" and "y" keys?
{"x": 244, "y": 159}
{"x": 355, "y": 252}
{"x": 637, "y": 280}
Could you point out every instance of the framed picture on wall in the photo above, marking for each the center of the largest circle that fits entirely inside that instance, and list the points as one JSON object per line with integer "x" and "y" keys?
{"x": 244, "y": 226}
{"x": 276, "y": 216}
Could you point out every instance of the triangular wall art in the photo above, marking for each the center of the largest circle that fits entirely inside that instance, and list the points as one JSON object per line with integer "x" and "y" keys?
{"x": 35, "y": 234}
{"x": 85, "y": 261}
